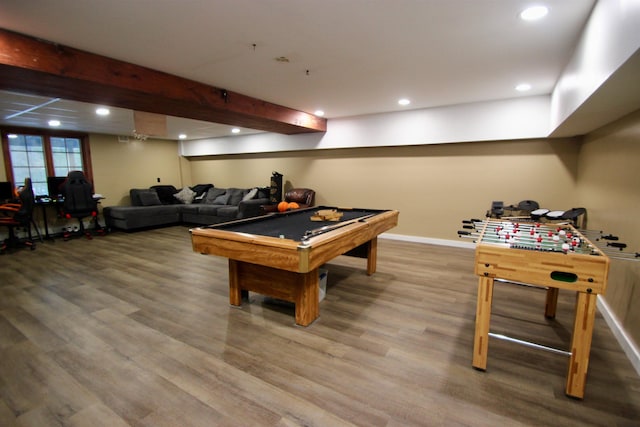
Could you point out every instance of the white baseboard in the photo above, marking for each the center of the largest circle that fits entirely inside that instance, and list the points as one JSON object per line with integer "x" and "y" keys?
{"x": 628, "y": 345}
{"x": 624, "y": 340}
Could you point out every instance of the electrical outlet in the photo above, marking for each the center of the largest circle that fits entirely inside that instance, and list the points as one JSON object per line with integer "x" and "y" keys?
{"x": 158, "y": 179}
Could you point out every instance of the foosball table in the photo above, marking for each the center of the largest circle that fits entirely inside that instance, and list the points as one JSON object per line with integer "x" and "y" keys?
{"x": 554, "y": 256}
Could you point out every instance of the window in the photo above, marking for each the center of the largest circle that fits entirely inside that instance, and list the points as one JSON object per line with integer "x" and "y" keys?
{"x": 38, "y": 155}
{"x": 67, "y": 155}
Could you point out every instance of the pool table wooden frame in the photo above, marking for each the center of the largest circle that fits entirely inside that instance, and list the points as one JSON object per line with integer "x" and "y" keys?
{"x": 288, "y": 269}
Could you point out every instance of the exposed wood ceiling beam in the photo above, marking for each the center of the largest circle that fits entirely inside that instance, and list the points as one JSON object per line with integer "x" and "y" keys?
{"x": 43, "y": 68}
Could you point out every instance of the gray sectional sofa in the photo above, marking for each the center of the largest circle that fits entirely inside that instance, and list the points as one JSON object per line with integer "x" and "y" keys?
{"x": 200, "y": 205}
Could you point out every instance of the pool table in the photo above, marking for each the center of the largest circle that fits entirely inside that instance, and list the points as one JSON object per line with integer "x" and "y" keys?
{"x": 279, "y": 254}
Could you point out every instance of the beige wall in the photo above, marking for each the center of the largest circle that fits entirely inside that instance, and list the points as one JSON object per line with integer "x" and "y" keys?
{"x": 433, "y": 186}
{"x": 609, "y": 185}
{"x": 118, "y": 166}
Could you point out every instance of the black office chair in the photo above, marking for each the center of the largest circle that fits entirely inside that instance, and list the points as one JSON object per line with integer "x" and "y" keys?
{"x": 19, "y": 214}
{"x": 79, "y": 203}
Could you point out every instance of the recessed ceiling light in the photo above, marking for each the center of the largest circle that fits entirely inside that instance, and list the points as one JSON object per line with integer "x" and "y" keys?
{"x": 235, "y": 130}
{"x": 523, "y": 87}
{"x": 319, "y": 113}
{"x": 534, "y": 13}
{"x": 54, "y": 123}
{"x": 404, "y": 101}
{"x": 102, "y": 111}
{"x": 12, "y": 136}
{"x": 182, "y": 136}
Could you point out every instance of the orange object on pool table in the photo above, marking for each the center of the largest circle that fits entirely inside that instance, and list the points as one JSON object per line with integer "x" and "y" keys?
{"x": 283, "y": 206}
{"x": 293, "y": 205}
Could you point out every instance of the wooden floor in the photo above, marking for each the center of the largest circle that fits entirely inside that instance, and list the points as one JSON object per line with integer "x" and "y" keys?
{"x": 136, "y": 329}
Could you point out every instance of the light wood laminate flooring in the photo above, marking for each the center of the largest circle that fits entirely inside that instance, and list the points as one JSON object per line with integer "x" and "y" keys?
{"x": 136, "y": 329}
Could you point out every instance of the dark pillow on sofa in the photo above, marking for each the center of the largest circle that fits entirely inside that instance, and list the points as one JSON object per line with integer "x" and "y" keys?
{"x": 236, "y": 195}
{"x": 165, "y": 194}
{"x": 222, "y": 199}
{"x": 149, "y": 198}
{"x": 134, "y": 195}
{"x": 212, "y": 194}
{"x": 201, "y": 191}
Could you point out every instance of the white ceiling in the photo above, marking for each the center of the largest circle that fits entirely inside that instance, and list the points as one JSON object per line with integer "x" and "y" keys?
{"x": 346, "y": 57}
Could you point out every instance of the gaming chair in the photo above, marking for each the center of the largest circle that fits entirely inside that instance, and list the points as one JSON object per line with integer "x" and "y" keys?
{"x": 13, "y": 215}
{"x": 79, "y": 202}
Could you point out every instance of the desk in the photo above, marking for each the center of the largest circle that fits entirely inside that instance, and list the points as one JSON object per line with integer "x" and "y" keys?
{"x": 44, "y": 202}
{"x": 270, "y": 255}
{"x": 538, "y": 254}
{"x": 58, "y": 203}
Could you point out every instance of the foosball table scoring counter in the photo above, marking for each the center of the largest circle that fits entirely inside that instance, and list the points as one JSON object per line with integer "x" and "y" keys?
{"x": 554, "y": 256}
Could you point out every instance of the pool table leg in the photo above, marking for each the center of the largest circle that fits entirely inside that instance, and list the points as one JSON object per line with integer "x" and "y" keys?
{"x": 372, "y": 256}
{"x": 235, "y": 291}
{"x": 299, "y": 288}
{"x": 306, "y": 298}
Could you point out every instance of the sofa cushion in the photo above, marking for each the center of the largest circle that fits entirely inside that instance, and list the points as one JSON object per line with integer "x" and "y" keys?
{"x": 165, "y": 194}
{"x": 132, "y": 217}
{"x": 149, "y": 198}
{"x": 236, "y": 195}
{"x": 213, "y": 193}
{"x": 227, "y": 212}
{"x": 208, "y": 209}
{"x": 185, "y": 195}
{"x": 124, "y": 212}
{"x": 134, "y": 195}
{"x": 222, "y": 199}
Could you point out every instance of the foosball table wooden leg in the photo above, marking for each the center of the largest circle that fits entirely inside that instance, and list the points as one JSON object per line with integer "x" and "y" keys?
{"x": 581, "y": 344}
{"x": 551, "y": 303}
{"x": 483, "y": 320}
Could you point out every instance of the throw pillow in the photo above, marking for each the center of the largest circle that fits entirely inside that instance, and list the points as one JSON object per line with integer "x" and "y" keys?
{"x": 212, "y": 194}
{"x": 149, "y": 198}
{"x": 250, "y": 195}
{"x": 201, "y": 190}
{"x": 222, "y": 199}
{"x": 236, "y": 195}
{"x": 185, "y": 195}
{"x": 165, "y": 194}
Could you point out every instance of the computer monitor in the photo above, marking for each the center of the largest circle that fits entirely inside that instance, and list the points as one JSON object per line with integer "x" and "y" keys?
{"x": 6, "y": 191}
{"x": 54, "y": 184}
